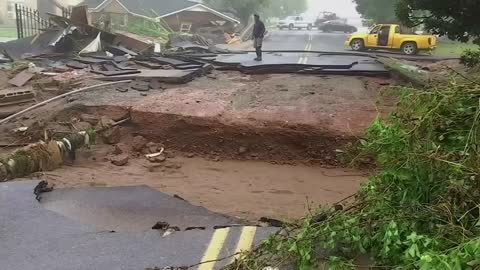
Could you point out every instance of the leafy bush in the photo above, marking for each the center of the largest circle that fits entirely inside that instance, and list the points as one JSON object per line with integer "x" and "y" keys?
{"x": 158, "y": 30}
{"x": 422, "y": 211}
{"x": 470, "y": 58}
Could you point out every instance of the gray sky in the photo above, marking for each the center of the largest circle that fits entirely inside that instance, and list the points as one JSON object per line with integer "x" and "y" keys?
{"x": 343, "y": 8}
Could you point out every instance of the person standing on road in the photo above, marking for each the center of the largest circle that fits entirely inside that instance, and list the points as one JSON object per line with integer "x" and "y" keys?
{"x": 258, "y": 34}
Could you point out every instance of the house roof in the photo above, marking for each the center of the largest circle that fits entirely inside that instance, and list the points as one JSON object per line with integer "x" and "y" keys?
{"x": 156, "y": 8}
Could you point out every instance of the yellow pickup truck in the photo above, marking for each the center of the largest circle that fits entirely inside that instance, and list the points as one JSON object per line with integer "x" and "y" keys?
{"x": 391, "y": 37}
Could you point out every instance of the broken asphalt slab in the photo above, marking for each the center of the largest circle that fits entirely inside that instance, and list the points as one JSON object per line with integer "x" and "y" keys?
{"x": 169, "y": 76}
{"x": 130, "y": 209}
{"x": 36, "y": 238}
{"x": 297, "y": 62}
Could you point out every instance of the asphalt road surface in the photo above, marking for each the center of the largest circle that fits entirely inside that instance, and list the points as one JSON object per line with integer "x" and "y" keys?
{"x": 313, "y": 40}
{"x": 71, "y": 233}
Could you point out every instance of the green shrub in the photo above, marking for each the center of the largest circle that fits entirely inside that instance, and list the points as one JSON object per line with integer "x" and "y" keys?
{"x": 421, "y": 211}
{"x": 470, "y": 58}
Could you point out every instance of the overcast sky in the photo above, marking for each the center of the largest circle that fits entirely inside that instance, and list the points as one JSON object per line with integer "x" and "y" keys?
{"x": 343, "y": 8}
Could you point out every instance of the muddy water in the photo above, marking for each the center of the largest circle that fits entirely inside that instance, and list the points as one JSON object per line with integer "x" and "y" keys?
{"x": 245, "y": 189}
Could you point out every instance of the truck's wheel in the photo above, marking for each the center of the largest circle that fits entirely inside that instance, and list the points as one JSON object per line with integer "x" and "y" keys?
{"x": 409, "y": 48}
{"x": 357, "y": 45}
{"x": 309, "y": 27}
{"x": 290, "y": 27}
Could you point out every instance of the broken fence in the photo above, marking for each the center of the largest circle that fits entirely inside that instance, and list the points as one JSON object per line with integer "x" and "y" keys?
{"x": 30, "y": 22}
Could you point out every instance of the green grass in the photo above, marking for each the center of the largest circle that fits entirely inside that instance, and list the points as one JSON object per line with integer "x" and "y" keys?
{"x": 8, "y": 32}
{"x": 450, "y": 48}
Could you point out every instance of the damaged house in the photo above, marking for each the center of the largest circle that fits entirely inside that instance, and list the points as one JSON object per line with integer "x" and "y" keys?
{"x": 179, "y": 15}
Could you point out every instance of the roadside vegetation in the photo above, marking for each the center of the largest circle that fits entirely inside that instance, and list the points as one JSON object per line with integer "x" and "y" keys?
{"x": 8, "y": 32}
{"x": 422, "y": 209}
{"x": 461, "y": 28}
{"x": 449, "y": 48}
{"x": 266, "y": 8}
{"x": 157, "y": 30}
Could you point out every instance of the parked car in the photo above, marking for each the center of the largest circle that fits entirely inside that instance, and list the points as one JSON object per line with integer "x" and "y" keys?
{"x": 337, "y": 25}
{"x": 292, "y": 22}
{"x": 391, "y": 37}
{"x": 324, "y": 17}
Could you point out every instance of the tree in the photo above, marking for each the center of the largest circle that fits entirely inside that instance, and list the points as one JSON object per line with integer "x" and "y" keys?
{"x": 243, "y": 8}
{"x": 283, "y": 8}
{"x": 379, "y": 11}
{"x": 457, "y": 19}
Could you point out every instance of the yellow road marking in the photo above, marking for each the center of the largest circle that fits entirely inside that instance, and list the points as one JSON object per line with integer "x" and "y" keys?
{"x": 245, "y": 241}
{"x": 300, "y": 60}
{"x": 304, "y": 59}
{"x": 214, "y": 248}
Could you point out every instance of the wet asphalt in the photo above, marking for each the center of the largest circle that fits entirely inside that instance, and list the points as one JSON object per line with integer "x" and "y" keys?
{"x": 66, "y": 237}
{"x": 308, "y": 40}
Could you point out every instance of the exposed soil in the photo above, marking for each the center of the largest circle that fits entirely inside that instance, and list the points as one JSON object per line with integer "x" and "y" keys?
{"x": 259, "y": 145}
{"x": 245, "y": 189}
{"x": 280, "y": 118}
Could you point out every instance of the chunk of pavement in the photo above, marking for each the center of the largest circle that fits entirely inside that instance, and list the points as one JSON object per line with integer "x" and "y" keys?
{"x": 122, "y": 89}
{"x": 89, "y": 118}
{"x": 155, "y": 84}
{"x": 141, "y": 86}
{"x": 138, "y": 143}
{"x": 112, "y": 135}
{"x": 120, "y": 160}
{"x": 76, "y": 65}
{"x": 21, "y": 78}
{"x": 161, "y": 226}
{"x": 157, "y": 159}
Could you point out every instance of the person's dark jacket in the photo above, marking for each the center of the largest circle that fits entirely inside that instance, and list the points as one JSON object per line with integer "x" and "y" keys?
{"x": 259, "y": 30}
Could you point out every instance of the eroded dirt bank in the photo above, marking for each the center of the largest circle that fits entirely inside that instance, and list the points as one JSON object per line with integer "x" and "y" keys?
{"x": 247, "y": 146}
{"x": 245, "y": 189}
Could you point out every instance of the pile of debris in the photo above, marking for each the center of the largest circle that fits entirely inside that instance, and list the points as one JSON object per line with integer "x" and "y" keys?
{"x": 61, "y": 58}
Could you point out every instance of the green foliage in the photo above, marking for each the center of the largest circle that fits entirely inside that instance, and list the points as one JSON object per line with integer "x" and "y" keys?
{"x": 457, "y": 19}
{"x": 246, "y": 8}
{"x": 150, "y": 28}
{"x": 283, "y": 8}
{"x": 380, "y": 11}
{"x": 421, "y": 211}
{"x": 470, "y": 58}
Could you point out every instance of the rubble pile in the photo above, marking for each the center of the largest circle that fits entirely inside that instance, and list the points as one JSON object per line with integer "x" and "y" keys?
{"x": 44, "y": 156}
{"x": 72, "y": 53}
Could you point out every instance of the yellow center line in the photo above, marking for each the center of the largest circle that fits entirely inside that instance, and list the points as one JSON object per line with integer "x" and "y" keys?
{"x": 308, "y": 48}
{"x": 245, "y": 241}
{"x": 214, "y": 248}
